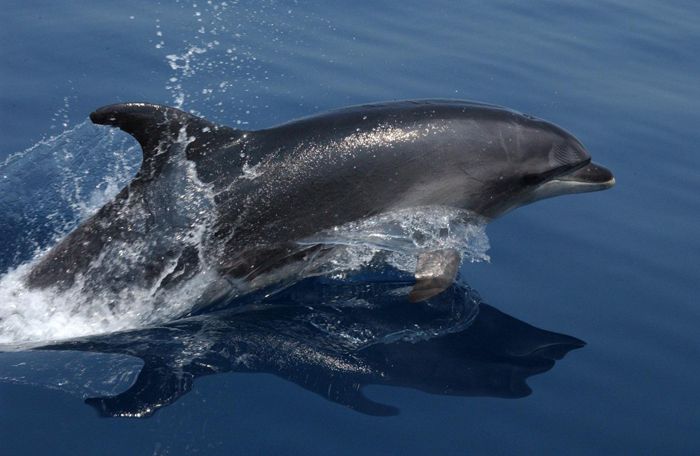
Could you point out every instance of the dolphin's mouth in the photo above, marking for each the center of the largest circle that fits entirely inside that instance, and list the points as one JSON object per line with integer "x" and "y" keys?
{"x": 587, "y": 178}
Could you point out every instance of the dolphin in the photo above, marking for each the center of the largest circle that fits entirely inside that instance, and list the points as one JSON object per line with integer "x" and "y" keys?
{"x": 237, "y": 203}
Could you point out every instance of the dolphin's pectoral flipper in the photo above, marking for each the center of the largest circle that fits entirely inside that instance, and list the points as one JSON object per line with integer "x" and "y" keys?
{"x": 435, "y": 272}
{"x": 157, "y": 127}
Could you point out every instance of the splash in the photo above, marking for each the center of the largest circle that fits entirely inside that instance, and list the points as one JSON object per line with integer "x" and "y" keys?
{"x": 33, "y": 315}
{"x": 47, "y": 189}
{"x": 217, "y": 58}
{"x": 400, "y": 236}
{"x": 112, "y": 293}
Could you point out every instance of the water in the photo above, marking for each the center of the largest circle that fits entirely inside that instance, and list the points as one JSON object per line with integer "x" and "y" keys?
{"x": 616, "y": 269}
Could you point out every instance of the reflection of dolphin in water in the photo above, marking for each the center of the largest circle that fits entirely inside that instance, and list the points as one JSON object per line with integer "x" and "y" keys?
{"x": 238, "y": 203}
{"x": 352, "y": 335}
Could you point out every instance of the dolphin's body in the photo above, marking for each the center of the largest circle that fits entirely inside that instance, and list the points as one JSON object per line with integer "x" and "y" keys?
{"x": 258, "y": 193}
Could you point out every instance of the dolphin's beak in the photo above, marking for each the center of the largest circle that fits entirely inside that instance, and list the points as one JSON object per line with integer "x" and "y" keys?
{"x": 590, "y": 178}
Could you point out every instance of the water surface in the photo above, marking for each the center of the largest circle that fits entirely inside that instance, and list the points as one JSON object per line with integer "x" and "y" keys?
{"x": 616, "y": 270}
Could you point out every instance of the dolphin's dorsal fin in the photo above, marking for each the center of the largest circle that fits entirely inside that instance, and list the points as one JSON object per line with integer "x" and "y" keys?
{"x": 157, "y": 127}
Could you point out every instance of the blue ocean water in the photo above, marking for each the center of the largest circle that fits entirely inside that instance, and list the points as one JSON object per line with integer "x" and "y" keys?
{"x": 617, "y": 269}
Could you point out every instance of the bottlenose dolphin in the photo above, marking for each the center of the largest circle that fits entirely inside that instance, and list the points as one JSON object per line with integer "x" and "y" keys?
{"x": 240, "y": 201}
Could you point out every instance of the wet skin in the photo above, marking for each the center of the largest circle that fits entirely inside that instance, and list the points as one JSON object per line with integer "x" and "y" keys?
{"x": 275, "y": 186}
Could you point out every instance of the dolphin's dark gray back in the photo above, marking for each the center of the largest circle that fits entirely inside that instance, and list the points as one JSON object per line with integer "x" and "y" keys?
{"x": 357, "y": 162}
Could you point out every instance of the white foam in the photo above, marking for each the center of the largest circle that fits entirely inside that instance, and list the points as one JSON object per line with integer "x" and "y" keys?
{"x": 45, "y": 314}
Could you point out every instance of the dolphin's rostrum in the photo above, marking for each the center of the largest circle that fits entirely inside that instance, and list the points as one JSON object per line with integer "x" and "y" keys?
{"x": 256, "y": 194}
